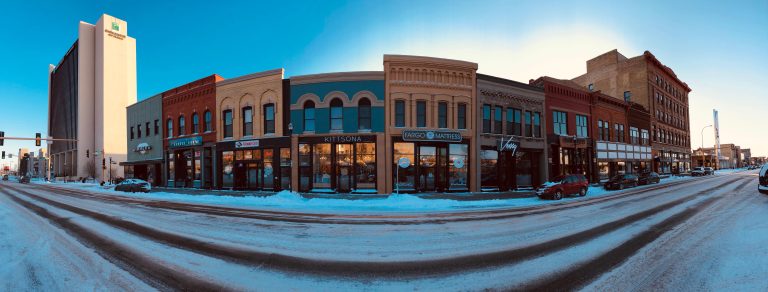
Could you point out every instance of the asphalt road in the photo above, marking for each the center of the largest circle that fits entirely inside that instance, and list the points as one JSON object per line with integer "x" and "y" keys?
{"x": 701, "y": 234}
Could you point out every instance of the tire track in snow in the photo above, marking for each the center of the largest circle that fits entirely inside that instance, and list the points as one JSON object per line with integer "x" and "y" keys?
{"x": 397, "y": 269}
{"x": 581, "y": 274}
{"x": 141, "y": 266}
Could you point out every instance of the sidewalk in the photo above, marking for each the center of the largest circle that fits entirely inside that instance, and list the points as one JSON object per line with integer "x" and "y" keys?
{"x": 464, "y": 196}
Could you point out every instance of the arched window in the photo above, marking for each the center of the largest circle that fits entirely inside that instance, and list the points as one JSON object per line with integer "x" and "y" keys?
{"x": 337, "y": 111}
{"x": 269, "y": 118}
{"x": 227, "y": 116}
{"x": 247, "y": 121}
{"x": 195, "y": 123}
{"x": 309, "y": 116}
{"x": 181, "y": 126}
{"x": 207, "y": 119}
{"x": 364, "y": 114}
{"x": 170, "y": 128}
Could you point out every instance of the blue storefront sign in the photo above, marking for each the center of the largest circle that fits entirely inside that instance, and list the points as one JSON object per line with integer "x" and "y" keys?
{"x": 185, "y": 142}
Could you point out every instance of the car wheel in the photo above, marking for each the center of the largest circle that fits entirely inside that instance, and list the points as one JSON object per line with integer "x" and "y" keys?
{"x": 558, "y": 195}
{"x": 582, "y": 192}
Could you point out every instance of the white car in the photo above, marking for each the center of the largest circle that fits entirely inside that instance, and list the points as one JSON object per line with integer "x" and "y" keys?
{"x": 134, "y": 185}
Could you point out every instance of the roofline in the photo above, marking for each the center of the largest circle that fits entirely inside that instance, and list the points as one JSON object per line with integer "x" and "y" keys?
{"x": 337, "y": 77}
{"x": 509, "y": 82}
{"x": 159, "y": 95}
{"x": 426, "y": 59}
{"x": 648, "y": 55}
{"x": 278, "y": 71}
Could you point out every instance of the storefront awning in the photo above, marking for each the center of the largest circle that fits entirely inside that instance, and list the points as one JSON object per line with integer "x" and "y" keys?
{"x": 151, "y": 161}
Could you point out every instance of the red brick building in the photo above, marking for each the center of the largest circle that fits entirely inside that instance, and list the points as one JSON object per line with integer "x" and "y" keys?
{"x": 189, "y": 113}
{"x": 568, "y": 127}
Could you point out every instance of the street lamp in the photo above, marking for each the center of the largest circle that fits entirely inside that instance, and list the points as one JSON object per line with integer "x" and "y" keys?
{"x": 702, "y": 144}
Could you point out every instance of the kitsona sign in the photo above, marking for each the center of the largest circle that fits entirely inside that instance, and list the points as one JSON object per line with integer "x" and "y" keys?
{"x": 247, "y": 144}
{"x": 437, "y": 136}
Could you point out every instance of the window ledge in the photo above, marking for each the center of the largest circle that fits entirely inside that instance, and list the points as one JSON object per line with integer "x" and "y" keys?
{"x": 308, "y": 132}
{"x": 364, "y": 130}
{"x": 336, "y": 131}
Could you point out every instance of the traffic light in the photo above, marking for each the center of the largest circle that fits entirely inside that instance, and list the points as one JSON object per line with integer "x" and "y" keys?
{"x": 37, "y": 139}
{"x": 3, "y": 154}
{"x": 2, "y": 134}
{"x": 87, "y": 153}
{"x": 103, "y": 163}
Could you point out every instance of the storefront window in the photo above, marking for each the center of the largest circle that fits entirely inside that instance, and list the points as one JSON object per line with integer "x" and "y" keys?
{"x": 321, "y": 167}
{"x": 488, "y": 171}
{"x": 458, "y": 165}
{"x": 171, "y": 169}
{"x": 406, "y": 176}
{"x": 524, "y": 169}
{"x": 248, "y": 155}
{"x": 305, "y": 167}
{"x": 198, "y": 166}
{"x": 603, "y": 171}
{"x": 269, "y": 173}
{"x": 228, "y": 177}
{"x": 366, "y": 165}
{"x": 285, "y": 168}
{"x": 621, "y": 167}
{"x": 344, "y": 176}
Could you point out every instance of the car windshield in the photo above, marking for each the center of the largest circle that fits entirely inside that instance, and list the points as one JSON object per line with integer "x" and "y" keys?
{"x": 558, "y": 179}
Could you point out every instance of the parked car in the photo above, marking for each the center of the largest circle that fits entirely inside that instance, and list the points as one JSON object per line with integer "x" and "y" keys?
{"x": 709, "y": 170}
{"x": 698, "y": 171}
{"x": 564, "y": 185}
{"x": 133, "y": 185}
{"x": 5, "y": 177}
{"x": 621, "y": 181}
{"x": 763, "y": 180}
{"x": 24, "y": 179}
{"x": 650, "y": 177}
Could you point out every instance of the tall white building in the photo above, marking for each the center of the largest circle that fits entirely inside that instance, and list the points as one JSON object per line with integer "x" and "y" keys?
{"x": 88, "y": 92}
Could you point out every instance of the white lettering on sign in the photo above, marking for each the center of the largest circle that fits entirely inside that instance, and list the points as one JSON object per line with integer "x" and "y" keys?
{"x": 342, "y": 139}
{"x": 247, "y": 144}
{"x": 509, "y": 145}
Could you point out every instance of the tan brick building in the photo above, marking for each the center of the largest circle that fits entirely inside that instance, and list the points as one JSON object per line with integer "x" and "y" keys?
{"x": 646, "y": 81}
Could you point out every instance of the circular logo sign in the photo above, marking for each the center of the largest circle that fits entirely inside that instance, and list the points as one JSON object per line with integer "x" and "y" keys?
{"x": 403, "y": 162}
{"x": 430, "y": 135}
{"x": 458, "y": 162}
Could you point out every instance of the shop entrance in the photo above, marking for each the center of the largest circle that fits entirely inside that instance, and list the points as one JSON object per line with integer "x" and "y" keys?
{"x": 254, "y": 171}
{"x": 344, "y": 175}
{"x": 432, "y": 166}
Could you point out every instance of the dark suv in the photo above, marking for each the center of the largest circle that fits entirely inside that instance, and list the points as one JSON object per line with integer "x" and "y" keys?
{"x": 564, "y": 185}
{"x": 763, "y": 180}
{"x": 649, "y": 177}
{"x": 621, "y": 181}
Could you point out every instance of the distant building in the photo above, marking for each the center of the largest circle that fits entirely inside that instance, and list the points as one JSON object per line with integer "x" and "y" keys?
{"x": 88, "y": 92}
{"x": 145, "y": 140}
{"x": 730, "y": 157}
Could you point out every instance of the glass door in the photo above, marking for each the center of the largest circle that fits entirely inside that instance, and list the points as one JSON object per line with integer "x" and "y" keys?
{"x": 427, "y": 168}
{"x": 267, "y": 170}
{"x": 253, "y": 176}
{"x": 344, "y": 168}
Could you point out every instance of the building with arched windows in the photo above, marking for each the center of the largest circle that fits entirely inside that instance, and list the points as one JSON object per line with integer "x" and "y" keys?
{"x": 338, "y": 132}
{"x": 254, "y": 149}
{"x": 189, "y": 124}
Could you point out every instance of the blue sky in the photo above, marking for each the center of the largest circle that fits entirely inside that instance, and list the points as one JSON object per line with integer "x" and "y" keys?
{"x": 718, "y": 48}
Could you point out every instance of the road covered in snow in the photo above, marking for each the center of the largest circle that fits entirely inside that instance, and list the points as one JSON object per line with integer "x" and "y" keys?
{"x": 708, "y": 233}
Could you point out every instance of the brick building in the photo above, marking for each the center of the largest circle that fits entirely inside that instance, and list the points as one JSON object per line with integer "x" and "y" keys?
{"x": 647, "y": 82}
{"x": 568, "y": 108}
{"x": 189, "y": 113}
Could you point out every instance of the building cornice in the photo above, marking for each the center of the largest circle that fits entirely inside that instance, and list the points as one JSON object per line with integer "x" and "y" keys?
{"x": 337, "y": 77}
{"x": 279, "y": 71}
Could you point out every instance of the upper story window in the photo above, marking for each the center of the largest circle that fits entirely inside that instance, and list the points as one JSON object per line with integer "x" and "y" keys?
{"x": 560, "y": 123}
{"x": 181, "y": 126}
{"x": 514, "y": 121}
{"x": 227, "y": 117}
{"x": 207, "y": 119}
{"x": 634, "y": 135}
{"x": 528, "y": 124}
{"x": 537, "y": 124}
{"x": 644, "y": 137}
{"x": 421, "y": 113}
{"x": 247, "y": 121}
{"x": 399, "y": 113}
{"x": 337, "y": 112}
{"x": 442, "y": 115}
{"x": 309, "y": 116}
{"x": 157, "y": 127}
{"x": 486, "y": 118}
{"x": 497, "y": 113}
{"x": 582, "y": 126}
{"x": 131, "y": 132}
{"x": 169, "y": 128}
{"x": 364, "y": 114}
{"x": 138, "y": 131}
{"x": 269, "y": 118}
{"x": 195, "y": 123}
{"x": 461, "y": 119}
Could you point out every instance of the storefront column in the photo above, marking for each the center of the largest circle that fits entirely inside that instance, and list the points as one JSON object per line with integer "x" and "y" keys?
{"x": 294, "y": 163}
{"x": 381, "y": 172}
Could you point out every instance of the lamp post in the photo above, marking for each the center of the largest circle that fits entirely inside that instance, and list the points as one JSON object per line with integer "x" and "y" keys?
{"x": 702, "y": 144}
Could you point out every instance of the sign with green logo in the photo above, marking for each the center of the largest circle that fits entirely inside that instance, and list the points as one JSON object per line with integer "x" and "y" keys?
{"x": 115, "y": 26}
